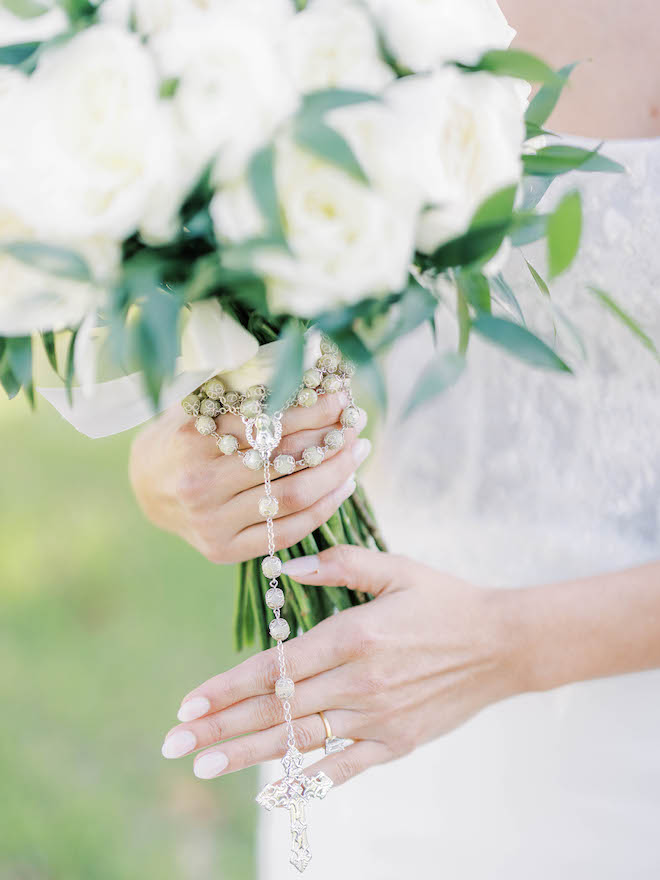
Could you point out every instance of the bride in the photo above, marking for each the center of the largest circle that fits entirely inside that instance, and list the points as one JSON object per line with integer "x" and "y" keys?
{"x": 511, "y": 660}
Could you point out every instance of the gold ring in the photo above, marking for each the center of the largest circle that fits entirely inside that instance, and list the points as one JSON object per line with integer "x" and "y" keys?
{"x": 332, "y": 743}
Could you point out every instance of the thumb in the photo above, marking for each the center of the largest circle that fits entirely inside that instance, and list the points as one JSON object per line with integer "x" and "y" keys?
{"x": 370, "y": 571}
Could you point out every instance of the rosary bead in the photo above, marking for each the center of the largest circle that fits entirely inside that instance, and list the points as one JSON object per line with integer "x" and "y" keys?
{"x": 332, "y": 383}
{"x": 284, "y": 688}
{"x": 328, "y": 363}
{"x": 230, "y": 398}
{"x": 312, "y": 378}
{"x": 346, "y": 368}
{"x": 307, "y": 397}
{"x": 329, "y": 347}
{"x": 210, "y": 407}
{"x": 272, "y": 567}
{"x": 274, "y": 598}
{"x": 334, "y": 439}
{"x": 284, "y": 464}
{"x": 279, "y": 629}
{"x": 268, "y": 506}
{"x": 191, "y": 405}
{"x": 257, "y": 392}
{"x": 214, "y": 388}
{"x": 253, "y": 460}
{"x": 350, "y": 417}
{"x": 313, "y": 456}
{"x": 250, "y": 408}
{"x": 227, "y": 444}
{"x": 263, "y": 423}
{"x": 205, "y": 425}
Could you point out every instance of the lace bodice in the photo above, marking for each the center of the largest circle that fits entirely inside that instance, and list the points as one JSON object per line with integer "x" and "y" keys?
{"x": 516, "y": 475}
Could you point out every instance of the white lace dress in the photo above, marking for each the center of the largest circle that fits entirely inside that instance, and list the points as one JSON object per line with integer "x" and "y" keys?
{"x": 517, "y": 477}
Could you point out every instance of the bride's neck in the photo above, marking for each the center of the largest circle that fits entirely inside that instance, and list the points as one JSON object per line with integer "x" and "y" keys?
{"x": 615, "y": 89}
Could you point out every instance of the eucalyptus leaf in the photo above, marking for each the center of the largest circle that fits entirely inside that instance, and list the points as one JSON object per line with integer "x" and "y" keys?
{"x": 443, "y": 372}
{"x": 538, "y": 280}
{"x": 527, "y": 228}
{"x": 562, "y": 158}
{"x": 8, "y": 380}
{"x": 533, "y": 190}
{"x": 288, "y": 369}
{"x": 261, "y": 175}
{"x": 464, "y": 321}
{"x": 544, "y": 102}
{"x": 516, "y": 63}
{"x": 519, "y": 342}
{"x": 17, "y": 54}
{"x": 318, "y": 138}
{"x": 19, "y": 357}
{"x": 319, "y": 103}
{"x": 497, "y": 207}
{"x": 47, "y": 258}
{"x": 415, "y": 306}
{"x": 625, "y": 318}
{"x": 476, "y": 290}
{"x": 477, "y": 245}
{"x": 564, "y": 232}
{"x": 69, "y": 367}
{"x": 156, "y": 339}
{"x": 353, "y": 348}
{"x": 503, "y": 294}
{"x": 48, "y": 339}
{"x": 25, "y": 8}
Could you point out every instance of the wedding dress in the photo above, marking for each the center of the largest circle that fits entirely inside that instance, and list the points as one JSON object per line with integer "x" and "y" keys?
{"x": 518, "y": 477}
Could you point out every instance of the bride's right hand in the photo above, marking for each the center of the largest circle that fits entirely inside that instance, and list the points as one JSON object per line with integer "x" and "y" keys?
{"x": 185, "y": 485}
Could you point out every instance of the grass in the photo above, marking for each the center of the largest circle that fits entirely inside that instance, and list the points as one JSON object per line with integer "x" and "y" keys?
{"x": 105, "y": 623}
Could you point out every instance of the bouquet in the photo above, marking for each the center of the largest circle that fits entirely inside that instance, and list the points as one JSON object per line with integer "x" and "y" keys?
{"x": 187, "y": 187}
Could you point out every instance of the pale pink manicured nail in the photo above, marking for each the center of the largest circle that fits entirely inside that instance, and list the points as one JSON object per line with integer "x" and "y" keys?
{"x": 361, "y": 450}
{"x": 210, "y": 765}
{"x": 195, "y": 707}
{"x": 301, "y": 566}
{"x": 348, "y": 488}
{"x": 179, "y": 743}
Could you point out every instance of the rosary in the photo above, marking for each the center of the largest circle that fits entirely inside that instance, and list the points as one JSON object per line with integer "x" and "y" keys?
{"x": 263, "y": 433}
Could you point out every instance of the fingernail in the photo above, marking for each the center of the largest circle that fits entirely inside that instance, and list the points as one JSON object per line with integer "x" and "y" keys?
{"x": 195, "y": 707}
{"x": 361, "y": 450}
{"x": 210, "y": 765}
{"x": 179, "y": 743}
{"x": 348, "y": 488}
{"x": 301, "y": 566}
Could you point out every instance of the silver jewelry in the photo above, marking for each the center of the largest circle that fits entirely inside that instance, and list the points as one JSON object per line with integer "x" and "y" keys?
{"x": 264, "y": 433}
{"x": 332, "y": 743}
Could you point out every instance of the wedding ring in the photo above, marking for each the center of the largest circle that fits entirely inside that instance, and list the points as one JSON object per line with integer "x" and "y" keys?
{"x": 332, "y": 743}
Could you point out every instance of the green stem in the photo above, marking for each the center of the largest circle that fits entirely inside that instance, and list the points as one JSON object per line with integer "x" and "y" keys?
{"x": 255, "y": 577}
{"x": 239, "y": 604}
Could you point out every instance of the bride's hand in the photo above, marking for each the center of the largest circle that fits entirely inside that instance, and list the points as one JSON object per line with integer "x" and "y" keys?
{"x": 185, "y": 485}
{"x": 429, "y": 652}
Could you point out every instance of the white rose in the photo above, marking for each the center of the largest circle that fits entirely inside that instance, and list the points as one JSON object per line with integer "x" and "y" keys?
{"x": 154, "y": 16}
{"x": 88, "y": 147}
{"x": 232, "y": 90}
{"x": 348, "y": 240}
{"x": 333, "y": 45}
{"x": 425, "y": 33}
{"x": 469, "y": 131}
{"x": 14, "y": 29}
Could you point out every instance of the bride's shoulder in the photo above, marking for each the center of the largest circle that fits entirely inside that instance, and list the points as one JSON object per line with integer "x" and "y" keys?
{"x": 611, "y": 94}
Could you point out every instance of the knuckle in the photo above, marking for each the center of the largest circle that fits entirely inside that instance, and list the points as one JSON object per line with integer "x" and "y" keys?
{"x": 189, "y": 484}
{"x": 268, "y": 670}
{"x": 295, "y": 494}
{"x": 214, "y": 728}
{"x": 344, "y": 769}
{"x": 267, "y": 711}
{"x": 402, "y": 743}
{"x": 373, "y": 684}
{"x": 363, "y": 639}
{"x": 305, "y": 736}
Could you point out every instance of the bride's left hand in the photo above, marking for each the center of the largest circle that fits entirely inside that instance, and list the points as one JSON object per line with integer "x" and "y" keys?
{"x": 429, "y": 652}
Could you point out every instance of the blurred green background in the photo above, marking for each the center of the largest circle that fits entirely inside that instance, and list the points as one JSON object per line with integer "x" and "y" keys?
{"x": 105, "y": 623}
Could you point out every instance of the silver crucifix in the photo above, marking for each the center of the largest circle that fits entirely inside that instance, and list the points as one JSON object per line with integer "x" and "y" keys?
{"x": 294, "y": 791}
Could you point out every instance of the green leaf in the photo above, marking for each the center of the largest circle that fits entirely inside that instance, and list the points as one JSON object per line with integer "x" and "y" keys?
{"x": 503, "y": 294}
{"x": 476, "y": 290}
{"x": 168, "y": 87}
{"x": 564, "y": 231}
{"x": 443, "y": 372}
{"x": 540, "y": 283}
{"x": 326, "y": 143}
{"x": 156, "y": 339}
{"x": 625, "y": 318}
{"x": 533, "y": 190}
{"x": 353, "y": 348}
{"x": 519, "y": 342}
{"x": 527, "y": 228}
{"x": 319, "y": 103}
{"x": 562, "y": 158}
{"x": 261, "y": 174}
{"x": 464, "y": 321}
{"x": 19, "y": 357}
{"x": 14, "y": 55}
{"x": 516, "y": 63}
{"x": 497, "y": 207}
{"x": 47, "y": 258}
{"x": 25, "y": 8}
{"x": 544, "y": 102}
{"x": 48, "y": 339}
{"x": 415, "y": 306}
{"x": 288, "y": 368}
{"x": 8, "y": 380}
{"x": 477, "y": 245}
{"x": 69, "y": 367}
